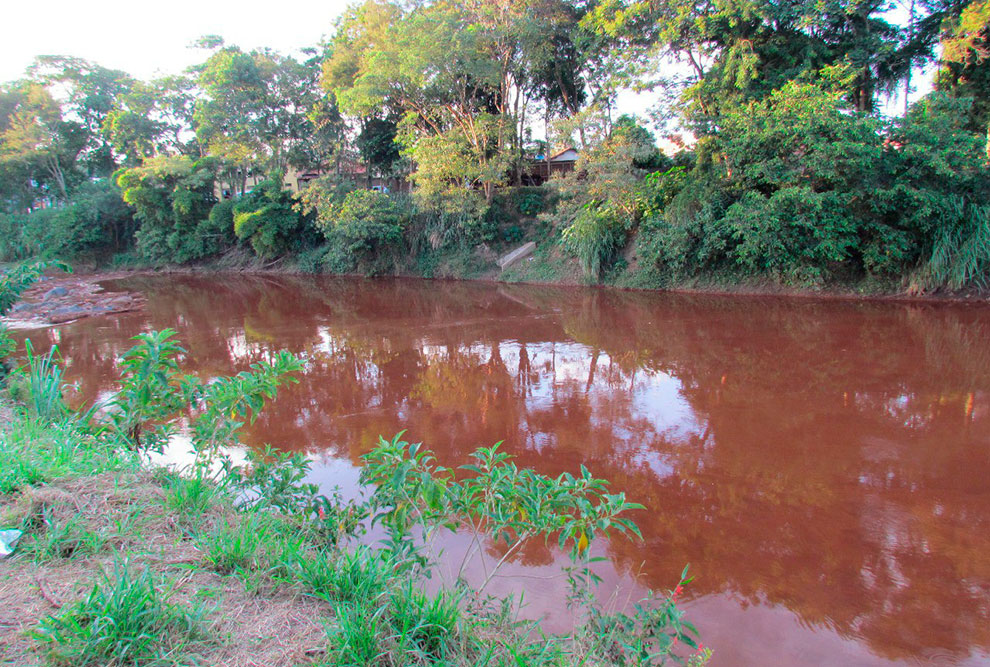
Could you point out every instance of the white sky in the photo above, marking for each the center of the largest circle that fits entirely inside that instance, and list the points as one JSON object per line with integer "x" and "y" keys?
{"x": 143, "y": 38}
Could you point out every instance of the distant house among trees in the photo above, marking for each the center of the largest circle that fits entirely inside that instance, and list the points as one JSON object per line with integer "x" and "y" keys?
{"x": 543, "y": 168}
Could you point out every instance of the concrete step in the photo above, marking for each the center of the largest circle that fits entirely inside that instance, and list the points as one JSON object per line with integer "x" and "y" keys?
{"x": 521, "y": 252}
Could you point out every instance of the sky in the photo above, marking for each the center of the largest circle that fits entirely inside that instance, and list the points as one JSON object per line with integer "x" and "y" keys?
{"x": 142, "y": 38}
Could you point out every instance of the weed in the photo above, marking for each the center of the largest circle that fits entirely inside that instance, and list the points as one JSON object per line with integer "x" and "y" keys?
{"x": 358, "y": 575}
{"x": 234, "y": 546}
{"x": 355, "y": 636}
{"x": 191, "y": 497}
{"x": 58, "y": 539}
{"x": 43, "y": 381}
{"x": 423, "y": 623}
{"x": 33, "y": 451}
{"x": 127, "y": 619}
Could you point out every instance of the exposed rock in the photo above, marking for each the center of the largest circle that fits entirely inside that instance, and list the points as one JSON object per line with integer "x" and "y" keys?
{"x": 71, "y": 298}
{"x": 55, "y": 292}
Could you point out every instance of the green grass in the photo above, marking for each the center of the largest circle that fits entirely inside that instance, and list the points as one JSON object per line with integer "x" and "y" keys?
{"x": 258, "y": 548}
{"x": 190, "y": 497}
{"x": 34, "y": 452}
{"x": 342, "y": 576}
{"x": 235, "y": 546}
{"x": 56, "y": 538}
{"x": 406, "y": 627}
{"x": 356, "y": 635}
{"x": 45, "y": 383}
{"x": 425, "y": 626}
{"x": 127, "y": 619}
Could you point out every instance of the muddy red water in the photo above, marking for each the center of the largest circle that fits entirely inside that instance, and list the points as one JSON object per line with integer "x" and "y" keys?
{"x": 824, "y": 466}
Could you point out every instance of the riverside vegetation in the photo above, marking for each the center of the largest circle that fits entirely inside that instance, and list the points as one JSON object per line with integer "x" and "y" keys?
{"x": 783, "y": 164}
{"x": 125, "y": 562}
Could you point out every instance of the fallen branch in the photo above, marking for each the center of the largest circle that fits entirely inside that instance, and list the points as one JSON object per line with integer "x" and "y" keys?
{"x": 46, "y": 593}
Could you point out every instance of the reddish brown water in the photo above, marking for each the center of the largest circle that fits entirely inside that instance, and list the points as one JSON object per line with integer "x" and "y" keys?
{"x": 824, "y": 466}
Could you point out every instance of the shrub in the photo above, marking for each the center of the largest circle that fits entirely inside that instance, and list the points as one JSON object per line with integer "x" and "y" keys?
{"x": 596, "y": 237}
{"x": 367, "y": 225}
{"x": 171, "y": 196}
{"x": 602, "y": 201}
{"x": 798, "y": 188}
{"x": 94, "y": 220}
{"x": 267, "y": 219}
{"x": 216, "y": 232}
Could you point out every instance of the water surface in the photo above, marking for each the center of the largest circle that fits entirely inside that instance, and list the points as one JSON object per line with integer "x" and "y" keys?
{"x": 824, "y": 466}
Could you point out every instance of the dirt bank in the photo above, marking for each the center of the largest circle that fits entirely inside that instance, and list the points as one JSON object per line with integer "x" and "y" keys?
{"x": 753, "y": 287}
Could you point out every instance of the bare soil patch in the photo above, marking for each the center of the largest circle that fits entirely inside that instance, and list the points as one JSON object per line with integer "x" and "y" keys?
{"x": 272, "y": 627}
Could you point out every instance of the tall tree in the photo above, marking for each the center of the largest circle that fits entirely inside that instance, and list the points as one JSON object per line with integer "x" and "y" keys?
{"x": 36, "y": 139}
{"x": 254, "y": 109}
{"x": 153, "y": 118}
{"x": 90, "y": 93}
{"x": 965, "y": 67}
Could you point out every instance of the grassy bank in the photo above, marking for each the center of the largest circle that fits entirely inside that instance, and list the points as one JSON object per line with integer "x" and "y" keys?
{"x": 125, "y": 563}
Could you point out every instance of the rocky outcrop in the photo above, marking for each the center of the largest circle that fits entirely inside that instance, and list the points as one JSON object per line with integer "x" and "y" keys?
{"x": 61, "y": 300}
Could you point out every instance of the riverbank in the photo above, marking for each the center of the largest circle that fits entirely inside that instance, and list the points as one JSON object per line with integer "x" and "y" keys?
{"x": 555, "y": 268}
{"x": 129, "y": 532}
{"x": 123, "y": 562}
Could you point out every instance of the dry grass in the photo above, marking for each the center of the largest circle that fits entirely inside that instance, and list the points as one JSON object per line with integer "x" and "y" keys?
{"x": 274, "y": 627}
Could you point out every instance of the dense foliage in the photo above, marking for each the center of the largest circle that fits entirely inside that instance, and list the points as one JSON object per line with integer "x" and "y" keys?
{"x": 395, "y": 145}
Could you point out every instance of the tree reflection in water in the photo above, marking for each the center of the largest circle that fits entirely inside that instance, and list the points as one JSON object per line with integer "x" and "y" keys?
{"x": 826, "y": 457}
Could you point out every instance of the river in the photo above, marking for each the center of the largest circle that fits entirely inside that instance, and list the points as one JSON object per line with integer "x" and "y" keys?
{"x": 823, "y": 465}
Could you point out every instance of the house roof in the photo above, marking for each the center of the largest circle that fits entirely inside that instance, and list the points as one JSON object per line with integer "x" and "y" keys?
{"x": 560, "y": 156}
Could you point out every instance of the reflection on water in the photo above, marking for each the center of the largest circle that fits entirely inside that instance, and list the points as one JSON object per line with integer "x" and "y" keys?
{"x": 824, "y": 466}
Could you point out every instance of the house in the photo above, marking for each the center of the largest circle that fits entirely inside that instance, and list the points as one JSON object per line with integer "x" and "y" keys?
{"x": 225, "y": 189}
{"x": 299, "y": 179}
{"x": 296, "y": 180}
{"x": 541, "y": 168}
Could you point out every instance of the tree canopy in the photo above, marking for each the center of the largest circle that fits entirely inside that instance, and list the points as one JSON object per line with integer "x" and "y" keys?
{"x": 783, "y": 158}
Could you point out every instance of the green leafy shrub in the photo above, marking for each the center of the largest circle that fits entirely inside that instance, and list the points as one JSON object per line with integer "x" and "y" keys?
{"x": 154, "y": 393}
{"x": 150, "y": 392}
{"x": 94, "y": 221}
{"x": 171, "y": 196}
{"x": 267, "y": 219}
{"x": 216, "y": 232}
{"x": 368, "y": 226}
{"x": 798, "y": 188}
{"x": 313, "y": 260}
{"x": 531, "y": 201}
